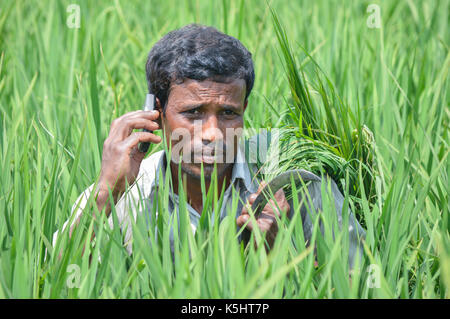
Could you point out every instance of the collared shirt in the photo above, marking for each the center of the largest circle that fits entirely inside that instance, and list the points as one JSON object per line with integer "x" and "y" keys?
{"x": 139, "y": 198}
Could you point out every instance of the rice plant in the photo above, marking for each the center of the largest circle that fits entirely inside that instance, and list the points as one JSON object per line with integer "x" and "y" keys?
{"x": 366, "y": 105}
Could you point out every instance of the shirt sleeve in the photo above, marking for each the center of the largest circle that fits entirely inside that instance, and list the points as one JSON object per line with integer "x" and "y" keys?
{"x": 120, "y": 209}
{"x": 77, "y": 210}
{"x": 314, "y": 203}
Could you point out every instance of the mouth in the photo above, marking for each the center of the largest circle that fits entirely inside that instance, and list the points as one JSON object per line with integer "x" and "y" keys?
{"x": 205, "y": 159}
{"x": 208, "y": 156}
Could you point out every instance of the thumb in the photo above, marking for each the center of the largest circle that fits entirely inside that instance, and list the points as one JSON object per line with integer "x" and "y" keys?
{"x": 261, "y": 186}
{"x": 241, "y": 220}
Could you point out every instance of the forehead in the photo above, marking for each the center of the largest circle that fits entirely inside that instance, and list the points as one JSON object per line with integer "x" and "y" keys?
{"x": 209, "y": 91}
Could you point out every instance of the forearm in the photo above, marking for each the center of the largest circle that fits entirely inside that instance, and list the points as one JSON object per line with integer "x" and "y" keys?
{"x": 102, "y": 201}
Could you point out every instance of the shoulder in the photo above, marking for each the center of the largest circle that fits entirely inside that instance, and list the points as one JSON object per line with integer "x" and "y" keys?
{"x": 150, "y": 164}
{"x": 260, "y": 141}
{"x": 256, "y": 147}
{"x": 148, "y": 171}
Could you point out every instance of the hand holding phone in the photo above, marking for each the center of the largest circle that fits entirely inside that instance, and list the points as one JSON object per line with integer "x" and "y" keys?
{"x": 122, "y": 150}
{"x": 149, "y": 105}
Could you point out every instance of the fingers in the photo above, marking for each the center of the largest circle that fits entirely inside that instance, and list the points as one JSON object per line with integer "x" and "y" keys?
{"x": 132, "y": 141}
{"x": 267, "y": 221}
{"x": 261, "y": 187}
{"x": 149, "y": 115}
{"x": 277, "y": 206}
{"x": 271, "y": 205}
{"x": 279, "y": 195}
{"x": 273, "y": 208}
{"x": 123, "y": 126}
{"x": 264, "y": 223}
{"x": 251, "y": 199}
{"x": 241, "y": 220}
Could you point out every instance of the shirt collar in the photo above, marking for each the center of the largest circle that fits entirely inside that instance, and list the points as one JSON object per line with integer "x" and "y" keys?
{"x": 241, "y": 171}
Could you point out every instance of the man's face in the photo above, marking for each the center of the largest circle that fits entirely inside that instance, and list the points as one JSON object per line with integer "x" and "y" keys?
{"x": 203, "y": 121}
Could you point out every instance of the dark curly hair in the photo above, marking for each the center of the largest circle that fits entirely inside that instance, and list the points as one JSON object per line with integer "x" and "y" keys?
{"x": 197, "y": 52}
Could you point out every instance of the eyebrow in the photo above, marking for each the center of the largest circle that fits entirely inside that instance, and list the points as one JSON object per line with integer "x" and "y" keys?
{"x": 202, "y": 105}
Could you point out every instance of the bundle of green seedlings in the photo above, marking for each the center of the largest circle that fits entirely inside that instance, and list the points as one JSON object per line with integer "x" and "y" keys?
{"x": 320, "y": 132}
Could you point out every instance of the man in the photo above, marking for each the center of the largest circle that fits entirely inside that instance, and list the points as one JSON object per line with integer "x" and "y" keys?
{"x": 202, "y": 79}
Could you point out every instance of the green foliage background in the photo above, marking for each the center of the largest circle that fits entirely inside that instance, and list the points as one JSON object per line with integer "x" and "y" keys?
{"x": 60, "y": 88}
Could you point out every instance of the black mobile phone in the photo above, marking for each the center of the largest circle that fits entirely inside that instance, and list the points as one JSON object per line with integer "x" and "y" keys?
{"x": 149, "y": 105}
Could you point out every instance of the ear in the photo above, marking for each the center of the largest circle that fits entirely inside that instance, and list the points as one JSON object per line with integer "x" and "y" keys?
{"x": 158, "y": 107}
{"x": 158, "y": 104}
{"x": 245, "y": 104}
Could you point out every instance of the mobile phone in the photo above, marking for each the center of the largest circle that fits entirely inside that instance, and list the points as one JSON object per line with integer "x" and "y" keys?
{"x": 149, "y": 105}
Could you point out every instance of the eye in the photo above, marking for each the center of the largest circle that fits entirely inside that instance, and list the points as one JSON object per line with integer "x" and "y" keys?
{"x": 195, "y": 111}
{"x": 229, "y": 113}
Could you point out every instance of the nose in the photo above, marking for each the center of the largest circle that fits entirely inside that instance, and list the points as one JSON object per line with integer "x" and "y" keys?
{"x": 211, "y": 131}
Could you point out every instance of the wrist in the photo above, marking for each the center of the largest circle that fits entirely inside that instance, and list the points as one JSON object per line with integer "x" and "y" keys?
{"x": 105, "y": 186}
{"x": 103, "y": 200}
{"x": 103, "y": 190}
